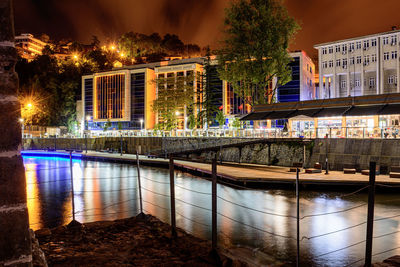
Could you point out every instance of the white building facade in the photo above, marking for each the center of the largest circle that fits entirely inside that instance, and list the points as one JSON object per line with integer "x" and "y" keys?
{"x": 367, "y": 65}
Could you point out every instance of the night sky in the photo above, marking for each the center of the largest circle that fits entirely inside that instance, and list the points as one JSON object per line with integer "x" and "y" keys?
{"x": 197, "y": 21}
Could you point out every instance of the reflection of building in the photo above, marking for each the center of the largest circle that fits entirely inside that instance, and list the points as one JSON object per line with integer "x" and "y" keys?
{"x": 28, "y": 46}
{"x": 366, "y": 65}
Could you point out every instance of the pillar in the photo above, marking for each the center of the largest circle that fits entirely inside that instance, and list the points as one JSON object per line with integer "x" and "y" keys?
{"x": 15, "y": 246}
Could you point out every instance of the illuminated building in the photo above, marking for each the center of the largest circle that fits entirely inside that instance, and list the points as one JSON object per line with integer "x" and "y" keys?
{"x": 28, "y": 46}
{"x": 366, "y": 65}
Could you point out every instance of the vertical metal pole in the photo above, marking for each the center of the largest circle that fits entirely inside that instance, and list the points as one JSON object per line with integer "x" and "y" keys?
{"x": 370, "y": 218}
{"x": 139, "y": 183}
{"x": 298, "y": 219}
{"x": 172, "y": 194}
{"x": 72, "y": 185}
{"x": 304, "y": 156}
{"x": 214, "y": 203}
{"x": 55, "y": 142}
{"x": 121, "y": 142}
{"x": 326, "y": 156}
{"x": 86, "y": 143}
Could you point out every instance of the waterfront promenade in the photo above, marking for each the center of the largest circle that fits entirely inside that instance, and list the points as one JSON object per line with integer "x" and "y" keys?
{"x": 243, "y": 174}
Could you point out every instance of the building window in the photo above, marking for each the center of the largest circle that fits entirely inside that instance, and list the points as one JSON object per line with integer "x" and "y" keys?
{"x": 330, "y": 49}
{"x": 337, "y": 48}
{"x": 358, "y": 45}
{"x": 330, "y": 63}
{"x": 391, "y": 79}
{"x": 385, "y": 40}
{"x": 373, "y": 58}
{"x": 352, "y": 61}
{"x": 366, "y": 59}
{"x": 394, "y": 40}
{"x": 324, "y": 65}
{"x": 324, "y": 50}
{"x": 351, "y": 47}
{"x": 371, "y": 82}
{"x": 386, "y": 56}
{"x": 366, "y": 44}
{"x": 337, "y": 62}
{"x": 358, "y": 59}
{"x": 344, "y": 48}
{"x": 343, "y": 84}
{"x": 344, "y": 63}
{"x": 358, "y": 84}
{"x": 394, "y": 54}
{"x": 373, "y": 42}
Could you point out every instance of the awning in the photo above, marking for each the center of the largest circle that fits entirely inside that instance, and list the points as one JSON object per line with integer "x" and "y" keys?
{"x": 284, "y": 114}
{"x": 255, "y": 116}
{"x": 390, "y": 109}
{"x": 364, "y": 110}
{"x": 305, "y": 113}
{"x": 331, "y": 112}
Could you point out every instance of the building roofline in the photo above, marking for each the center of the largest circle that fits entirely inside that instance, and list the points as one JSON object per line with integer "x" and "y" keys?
{"x": 355, "y": 38}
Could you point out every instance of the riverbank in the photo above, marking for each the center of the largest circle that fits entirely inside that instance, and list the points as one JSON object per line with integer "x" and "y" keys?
{"x": 136, "y": 241}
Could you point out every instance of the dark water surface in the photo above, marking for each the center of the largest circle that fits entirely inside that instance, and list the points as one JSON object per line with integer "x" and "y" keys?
{"x": 107, "y": 191}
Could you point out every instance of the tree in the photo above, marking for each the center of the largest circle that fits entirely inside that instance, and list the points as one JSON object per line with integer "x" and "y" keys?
{"x": 254, "y": 49}
{"x": 220, "y": 118}
{"x": 174, "y": 94}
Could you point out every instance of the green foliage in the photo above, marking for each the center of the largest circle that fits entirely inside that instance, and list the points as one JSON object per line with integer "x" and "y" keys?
{"x": 236, "y": 123}
{"x": 192, "y": 122}
{"x": 107, "y": 125}
{"x": 220, "y": 118}
{"x": 254, "y": 50}
{"x": 174, "y": 93}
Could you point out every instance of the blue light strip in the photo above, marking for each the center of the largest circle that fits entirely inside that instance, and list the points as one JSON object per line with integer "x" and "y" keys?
{"x": 50, "y": 154}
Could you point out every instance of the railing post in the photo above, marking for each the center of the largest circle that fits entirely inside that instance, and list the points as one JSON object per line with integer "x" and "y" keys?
{"x": 172, "y": 194}
{"x": 214, "y": 203}
{"x": 72, "y": 185}
{"x": 370, "y": 218}
{"x": 298, "y": 219}
{"x": 139, "y": 183}
{"x": 121, "y": 141}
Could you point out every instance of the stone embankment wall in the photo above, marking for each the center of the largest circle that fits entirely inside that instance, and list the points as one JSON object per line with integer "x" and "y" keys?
{"x": 280, "y": 152}
{"x": 15, "y": 242}
{"x": 357, "y": 152}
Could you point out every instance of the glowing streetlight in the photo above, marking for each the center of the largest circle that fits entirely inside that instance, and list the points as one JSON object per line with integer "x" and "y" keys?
{"x": 177, "y": 113}
{"x": 141, "y": 124}
{"x": 122, "y": 55}
{"x": 75, "y": 57}
{"x": 21, "y": 120}
{"x": 88, "y": 118}
{"x": 29, "y": 105}
{"x": 112, "y": 47}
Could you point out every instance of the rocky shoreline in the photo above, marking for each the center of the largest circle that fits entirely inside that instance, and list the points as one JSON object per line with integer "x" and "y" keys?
{"x": 137, "y": 241}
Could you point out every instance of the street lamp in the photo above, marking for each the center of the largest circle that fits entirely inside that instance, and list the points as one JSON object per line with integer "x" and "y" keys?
{"x": 141, "y": 124}
{"x": 21, "y": 120}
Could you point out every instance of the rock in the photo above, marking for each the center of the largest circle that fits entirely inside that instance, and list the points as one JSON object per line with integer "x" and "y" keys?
{"x": 43, "y": 232}
{"x": 38, "y": 257}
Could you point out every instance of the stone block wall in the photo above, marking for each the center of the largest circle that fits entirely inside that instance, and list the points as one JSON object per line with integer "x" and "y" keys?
{"x": 15, "y": 243}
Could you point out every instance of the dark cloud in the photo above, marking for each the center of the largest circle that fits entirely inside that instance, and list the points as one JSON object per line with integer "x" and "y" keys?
{"x": 197, "y": 21}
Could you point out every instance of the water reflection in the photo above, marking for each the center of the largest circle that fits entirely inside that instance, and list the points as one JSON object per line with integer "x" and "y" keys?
{"x": 107, "y": 191}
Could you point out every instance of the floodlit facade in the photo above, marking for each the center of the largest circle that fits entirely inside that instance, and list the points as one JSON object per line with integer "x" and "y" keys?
{"x": 28, "y": 46}
{"x": 366, "y": 65}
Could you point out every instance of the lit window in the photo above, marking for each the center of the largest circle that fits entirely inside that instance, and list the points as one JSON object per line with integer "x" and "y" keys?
{"x": 337, "y": 62}
{"x": 358, "y": 59}
{"x": 386, "y": 56}
{"x": 373, "y": 58}
{"x": 337, "y": 48}
{"x": 358, "y": 45}
{"x": 385, "y": 40}
{"x": 373, "y": 42}
{"x": 394, "y": 54}
{"x": 324, "y": 50}
{"x": 330, "y": 49}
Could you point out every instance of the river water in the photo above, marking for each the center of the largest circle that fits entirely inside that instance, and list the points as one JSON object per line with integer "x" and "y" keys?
{"x": 107, "y": 191}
